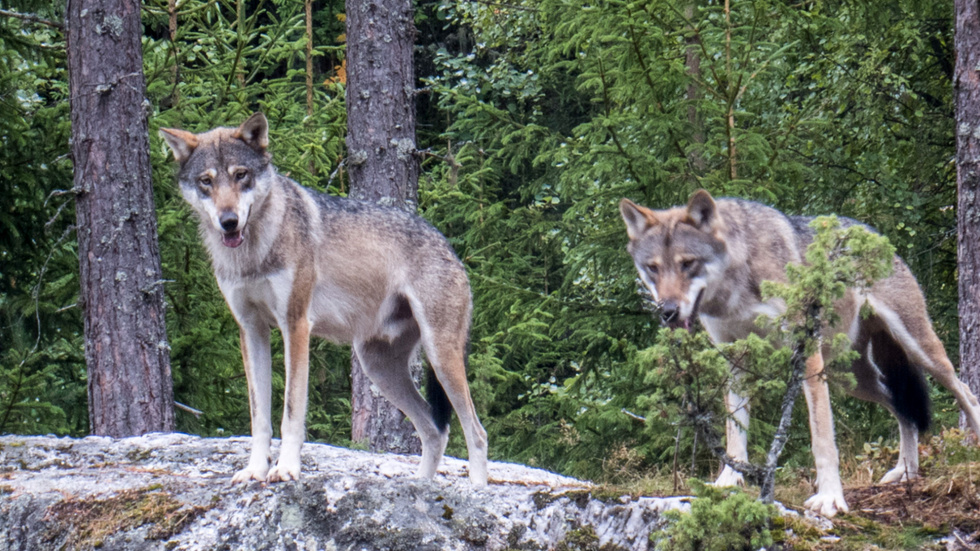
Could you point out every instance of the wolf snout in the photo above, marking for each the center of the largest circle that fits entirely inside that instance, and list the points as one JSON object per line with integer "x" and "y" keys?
{"x": 671, "y": 316}
{"x": 229, "y": 221}
{"x": 670, "y": 311}
{"x": 232, "y": 235}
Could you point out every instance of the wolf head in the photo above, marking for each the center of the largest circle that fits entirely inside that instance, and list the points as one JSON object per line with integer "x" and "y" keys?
{"x": 224, "y": 173}
{"x": 678, "y": 252}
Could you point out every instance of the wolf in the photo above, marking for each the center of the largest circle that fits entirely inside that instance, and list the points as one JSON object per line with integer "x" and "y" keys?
{"x": 708, "y": 259}
{"x": 307, "y": 263}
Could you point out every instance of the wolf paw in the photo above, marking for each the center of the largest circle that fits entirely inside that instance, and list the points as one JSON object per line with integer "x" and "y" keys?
{"x": 898, "y": 474}
{"x": 827, "y": 504}
{"x": 729, "y": 477}
{"x": 284, "y": 472}
{"x": 248, "y": 474}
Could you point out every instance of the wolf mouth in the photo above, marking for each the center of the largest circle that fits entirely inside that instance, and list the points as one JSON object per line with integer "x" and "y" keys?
{"x": 677, "y": 323}
{"x": 232, "y": 239}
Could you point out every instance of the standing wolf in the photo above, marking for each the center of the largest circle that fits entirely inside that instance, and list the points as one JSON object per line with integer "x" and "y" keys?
{"x": 310, "y": 264}
{"x": 708, "y": 259}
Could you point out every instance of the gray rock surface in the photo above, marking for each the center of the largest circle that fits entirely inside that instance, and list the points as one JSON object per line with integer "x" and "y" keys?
{"x": 173, "y": 492}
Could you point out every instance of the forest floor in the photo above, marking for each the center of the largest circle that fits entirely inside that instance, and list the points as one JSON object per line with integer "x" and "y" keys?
{"x": 938, "y": 511}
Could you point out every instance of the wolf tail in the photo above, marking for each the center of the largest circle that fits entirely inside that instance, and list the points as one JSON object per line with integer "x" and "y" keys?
{"x": 442, "y": 409}
{"x": 904, "y": 379}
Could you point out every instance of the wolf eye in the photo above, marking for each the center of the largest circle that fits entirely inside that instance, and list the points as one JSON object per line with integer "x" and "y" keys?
{"x": 241, "y": 174}
{"x": 204, "y": 181}
{"x": 688, "y": 265}
{"x": 653, "y": 269}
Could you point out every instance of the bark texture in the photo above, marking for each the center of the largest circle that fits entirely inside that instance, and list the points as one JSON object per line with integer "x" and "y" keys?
{"x": 382, "y": 167}
{"x": 129, "y": 386}
{"x": 966, "y": 89}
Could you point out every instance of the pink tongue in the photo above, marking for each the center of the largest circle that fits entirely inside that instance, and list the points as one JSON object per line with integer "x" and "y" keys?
{"x": 687, "y": 324}
{"x": 232, "y": 239}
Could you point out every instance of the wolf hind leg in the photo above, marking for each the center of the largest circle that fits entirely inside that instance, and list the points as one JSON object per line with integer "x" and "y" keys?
{"x": 907, "y": 467}
{"x": 449, "y": 364}
{"x": 386, "y": 363}
{"x": 442, "y": 312}
{"x": 913, "y": 330}
{"x": 943, "y": 371}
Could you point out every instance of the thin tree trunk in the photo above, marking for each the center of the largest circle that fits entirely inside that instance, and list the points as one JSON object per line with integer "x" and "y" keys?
{"x": 309, "y": 58}
{"x": 692, "y": 60}
{"x": 966, "y": 88}
{"x": 129, "y": 386}
{"x": 172, "y": 27}
{"x": 382, "y": 167}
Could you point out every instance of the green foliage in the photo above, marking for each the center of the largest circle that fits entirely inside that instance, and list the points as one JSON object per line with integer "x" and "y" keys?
{"x": 721, "y": 519}
{"x": 555, "y": 109}
{"x": 538, "y": 116}
{"x": 41, "y": 385}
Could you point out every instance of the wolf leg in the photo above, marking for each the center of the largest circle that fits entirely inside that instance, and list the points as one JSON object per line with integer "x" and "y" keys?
{"x": 907, "y": 467}
{"x": 736, "y": 438}
{"x": 829, "y": 499}
{"x": 445, "y": 346}
{"x": 943, "y": 371}
{"x": 909, "y": 325}
{"x": 450, "y": 369}
{"x": 257, "y": 359}
{"x": 297, "y": 341}
{"x": 386, "y": 363}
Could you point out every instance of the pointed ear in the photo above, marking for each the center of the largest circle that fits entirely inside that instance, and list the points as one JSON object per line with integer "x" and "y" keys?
{"x": 254, "y": 132}
{"x": 181, "y": 142}
{"x": 701, "y": 210}
{"x": 638, "y": 219}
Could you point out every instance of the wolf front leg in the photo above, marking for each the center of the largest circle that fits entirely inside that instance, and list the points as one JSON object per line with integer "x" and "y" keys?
{"x": 829, "y": 499}
{"x": 736, "y": 438}
{"x": 257, "y": 359}
{"x": 297, "y": 339}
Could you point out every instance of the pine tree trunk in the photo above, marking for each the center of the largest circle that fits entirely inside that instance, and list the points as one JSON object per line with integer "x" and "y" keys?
{"x": 382, "y": 167}
{"x": 966, "y": 89}
{"x": 129, "y": 386}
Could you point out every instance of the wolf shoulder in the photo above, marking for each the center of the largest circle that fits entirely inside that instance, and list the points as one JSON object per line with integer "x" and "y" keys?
{"x": 366, "y": 227}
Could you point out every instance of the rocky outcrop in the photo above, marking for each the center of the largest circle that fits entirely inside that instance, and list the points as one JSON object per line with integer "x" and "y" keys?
{"x": 173, "y": 492}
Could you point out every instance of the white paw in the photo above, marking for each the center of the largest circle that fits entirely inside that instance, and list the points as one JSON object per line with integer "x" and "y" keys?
{"x": 250, "y": 473}
{"x": 729, "y": 477}
{"x": 284, "y": 472}
{"x": 898, "y": 474}
{"x": 827, "y": 504}
{"x": 479, "y": 480}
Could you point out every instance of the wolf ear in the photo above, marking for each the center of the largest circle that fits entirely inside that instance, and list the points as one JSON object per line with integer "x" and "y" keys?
{"x": 701, "y": 210}
{"x": 638, "y": 219}
{"x": 254, "y": 132}
{"x": 181, "y": 142}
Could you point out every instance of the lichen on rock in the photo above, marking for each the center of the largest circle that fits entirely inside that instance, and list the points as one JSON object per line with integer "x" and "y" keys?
{"x": 173, "y": 492}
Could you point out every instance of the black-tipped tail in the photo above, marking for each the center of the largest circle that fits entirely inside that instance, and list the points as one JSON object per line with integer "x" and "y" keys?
{"x": 442, "y": 410}
{"x": 905, "y": 381}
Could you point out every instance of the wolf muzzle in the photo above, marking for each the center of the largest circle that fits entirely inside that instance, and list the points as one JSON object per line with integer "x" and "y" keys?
{"x": 232, "y": 236}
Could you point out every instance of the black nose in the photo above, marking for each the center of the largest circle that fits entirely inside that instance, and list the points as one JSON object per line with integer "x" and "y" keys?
{"x": 669, "y": 311}
{"x": 229, "y": 221}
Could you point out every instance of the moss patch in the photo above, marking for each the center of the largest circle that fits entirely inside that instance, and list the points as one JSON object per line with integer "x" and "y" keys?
{"x": 88, "y": 522}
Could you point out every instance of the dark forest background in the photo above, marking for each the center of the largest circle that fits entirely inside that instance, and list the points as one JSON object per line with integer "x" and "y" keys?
{"x": 535, "y": 118}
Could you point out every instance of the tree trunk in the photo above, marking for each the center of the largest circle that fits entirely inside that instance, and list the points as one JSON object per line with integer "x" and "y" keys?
{"x": 382, "y": 168}
{"x": 692, "y": 61}
{"x": 130, "y": 391}
{"x": 966, "y": 89}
